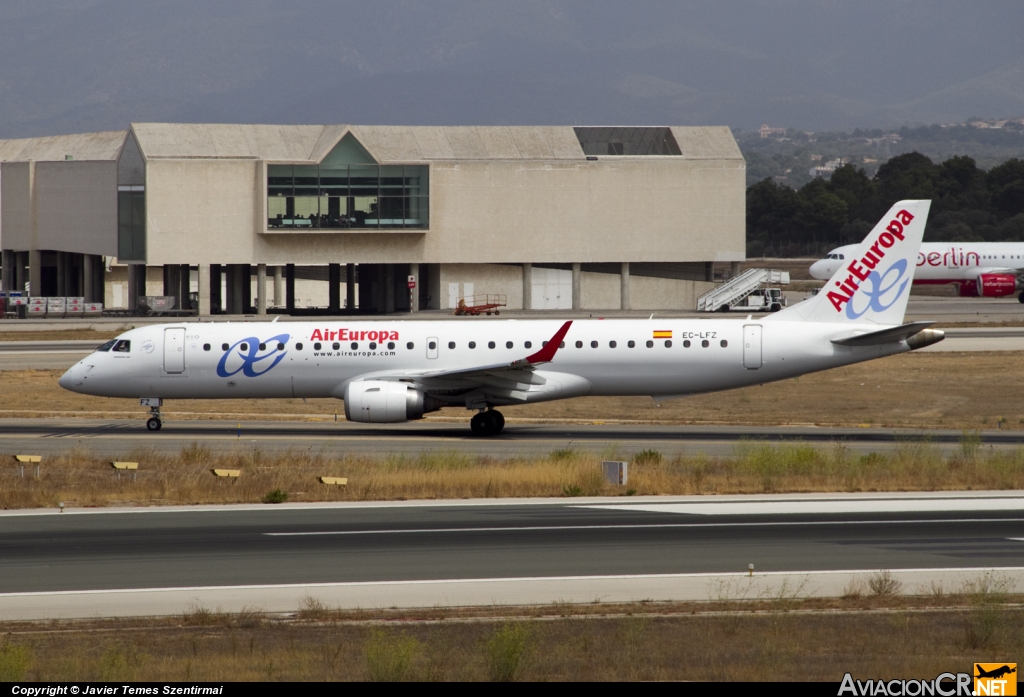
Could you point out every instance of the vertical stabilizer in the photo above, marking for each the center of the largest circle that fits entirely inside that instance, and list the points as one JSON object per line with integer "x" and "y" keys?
{"x": 873, "y": 284}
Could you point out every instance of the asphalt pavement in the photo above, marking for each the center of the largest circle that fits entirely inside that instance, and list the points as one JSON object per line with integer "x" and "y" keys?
{"x": 478, "y": 552}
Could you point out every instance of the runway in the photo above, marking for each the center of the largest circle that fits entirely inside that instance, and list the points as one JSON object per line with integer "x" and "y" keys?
{"x": 157, "y": 561}
{"x": 112, "y": 438}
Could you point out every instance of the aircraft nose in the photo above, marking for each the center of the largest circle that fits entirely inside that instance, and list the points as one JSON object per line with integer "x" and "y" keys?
{"x": 72, "y": 378}
{"x": 821, "y": 270}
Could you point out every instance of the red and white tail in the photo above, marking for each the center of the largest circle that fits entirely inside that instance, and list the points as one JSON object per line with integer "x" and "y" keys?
{"x": 873, "y": 284}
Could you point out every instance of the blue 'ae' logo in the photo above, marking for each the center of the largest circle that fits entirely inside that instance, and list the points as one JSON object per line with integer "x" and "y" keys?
{"x": 248, "y": 355}
{"x": 878, "y": 288}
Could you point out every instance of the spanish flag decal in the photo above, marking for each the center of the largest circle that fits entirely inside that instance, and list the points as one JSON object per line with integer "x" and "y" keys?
{"x": 662, "y": 333}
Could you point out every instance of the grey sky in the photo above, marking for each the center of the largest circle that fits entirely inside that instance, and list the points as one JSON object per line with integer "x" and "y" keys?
{"x": 81, "y": 65}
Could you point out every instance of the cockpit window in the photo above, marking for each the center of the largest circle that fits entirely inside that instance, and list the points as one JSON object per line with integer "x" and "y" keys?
{"x": 123, "y": 346}
{"x": 107, "y": 346}
{"x": 840, "y": 256}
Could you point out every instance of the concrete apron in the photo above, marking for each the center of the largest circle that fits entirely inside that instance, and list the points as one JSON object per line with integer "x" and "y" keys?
{"x": 487, "y": 592}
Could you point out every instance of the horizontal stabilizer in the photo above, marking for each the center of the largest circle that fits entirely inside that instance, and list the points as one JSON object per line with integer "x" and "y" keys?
{"x": 890, "y": 335}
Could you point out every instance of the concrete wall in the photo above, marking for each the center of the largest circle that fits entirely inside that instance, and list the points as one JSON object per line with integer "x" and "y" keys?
{"x": 201, "y": 211}
{"x": 611, "y": 210}
{"x": 76, "y": 207}
{"x": 16, "y": 224}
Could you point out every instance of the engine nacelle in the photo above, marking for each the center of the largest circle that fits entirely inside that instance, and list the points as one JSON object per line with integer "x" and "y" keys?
{"x": 386, "y": 402}
{"x": 996, "y": 285}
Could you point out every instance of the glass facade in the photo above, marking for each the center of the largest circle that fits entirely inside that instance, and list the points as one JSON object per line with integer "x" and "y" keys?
{"x": 348, "y": 197}
{"x": 131, "y": 223}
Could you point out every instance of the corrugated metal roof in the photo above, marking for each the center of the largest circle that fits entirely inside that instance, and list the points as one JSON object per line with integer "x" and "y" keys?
{"x": 103, "y": 146}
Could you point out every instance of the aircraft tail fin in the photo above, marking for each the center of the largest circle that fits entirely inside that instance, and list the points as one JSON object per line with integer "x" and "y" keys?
{"x": 874, "y": 284}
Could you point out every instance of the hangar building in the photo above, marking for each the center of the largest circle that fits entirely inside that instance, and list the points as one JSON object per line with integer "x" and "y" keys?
{"x": 337, "y": 218}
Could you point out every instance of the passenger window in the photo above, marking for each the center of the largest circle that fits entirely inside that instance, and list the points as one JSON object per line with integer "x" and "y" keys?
{"x": 593, "y": 344}
{"x": 316, "y": 346}
{"x": 410, "y": 346}
{"x": 355, "y": 346}
{"x": 631, "y": 344}
{"x": 611, "y": 344}
{"x": 224, "y": 347}
{"x": 206, "y": 347}
{"x": 432, "y": 345}
{"x": 472, "y": 344}
{"x": 668, "y": 343}
{"x": 298, "y": 347}
{"x": 280, "y": 346}
{"x": 542, "y": 344}
{"x": 579, "y": 344}
{"x": 724, "y": 343}
{"x": 263, "y": 347}
{"x": 508, "y": 344}
{"x": 451, "y": 344}
{"x": 244, "y": 347}
{"x": 373, "y": 345}
{"x": 650, "y": 344}
{"x": 123, "y": 346}
{"x": 335, "y": 346}
{"x": 107, "y": 346}
{"x": 529, "y": 344}
{"x": 490, "y": 344}
{"x": 391, "y": 344}
{"x": 705, "y": 343}
{"x": 561, "y": 345}
{"x": 686, "y": 343}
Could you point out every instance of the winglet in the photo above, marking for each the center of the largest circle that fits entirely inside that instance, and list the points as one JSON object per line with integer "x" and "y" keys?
{"x": 548, "y": 352}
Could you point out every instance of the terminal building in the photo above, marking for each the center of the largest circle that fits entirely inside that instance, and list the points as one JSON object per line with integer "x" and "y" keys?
{"x": 333, "y": 219}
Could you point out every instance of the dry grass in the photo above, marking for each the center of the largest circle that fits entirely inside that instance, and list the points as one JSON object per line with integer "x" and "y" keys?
{"x": 79, "y": 478}
{"x": 922, "y": 390}
{"x": 802, "y": 640}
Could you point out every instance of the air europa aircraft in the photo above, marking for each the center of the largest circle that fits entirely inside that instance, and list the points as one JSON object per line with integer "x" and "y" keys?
{"x": 980, "y": 269}
{"x": 396, "y": 371}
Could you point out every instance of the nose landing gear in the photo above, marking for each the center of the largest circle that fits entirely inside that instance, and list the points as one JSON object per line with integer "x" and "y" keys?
{"x": 487, "y": 423}
{"x": 154, "y": 423}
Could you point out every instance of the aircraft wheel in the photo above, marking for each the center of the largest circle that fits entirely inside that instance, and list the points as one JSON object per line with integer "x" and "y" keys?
{"x": 776, "y": 307}
{"x": 499, "y": 421}
{"x": 484, "y": 424}
{"x": 154, "y": 424}
{"x": 1020, "y": 298}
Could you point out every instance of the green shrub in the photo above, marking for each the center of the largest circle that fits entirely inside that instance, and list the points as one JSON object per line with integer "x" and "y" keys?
{"x": 647, "y": 457}
{"x": 572, "y": 490}
{"x": 389, "y": 657}
{"x": 14, "y": 662}
{"x": 508, "y": 650}
{"x": 275, "y": 496}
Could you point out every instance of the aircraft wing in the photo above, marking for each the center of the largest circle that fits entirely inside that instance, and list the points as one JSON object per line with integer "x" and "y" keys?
{"x": 505, "y": 378}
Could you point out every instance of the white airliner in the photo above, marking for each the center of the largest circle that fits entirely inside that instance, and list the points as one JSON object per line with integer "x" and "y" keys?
{"x": 395, "y": 371}
{"x": 980, "y": 269}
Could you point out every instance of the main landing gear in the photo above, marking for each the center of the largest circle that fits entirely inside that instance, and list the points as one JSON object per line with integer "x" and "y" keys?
{"x": 1020, "y": 298}
{"x": 487, "y": 423}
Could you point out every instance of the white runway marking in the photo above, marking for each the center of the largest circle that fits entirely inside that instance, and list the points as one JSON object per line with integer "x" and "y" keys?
{"x": 642, "y": 526}
{"x": 825, "y": 506}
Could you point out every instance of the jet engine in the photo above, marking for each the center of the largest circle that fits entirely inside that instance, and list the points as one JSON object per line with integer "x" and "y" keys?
{"x": 386, "y": 402}
{"x": 996, "y": 285}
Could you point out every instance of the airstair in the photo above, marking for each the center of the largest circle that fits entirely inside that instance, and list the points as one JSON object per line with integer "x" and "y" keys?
{"x": 734, "y": 293}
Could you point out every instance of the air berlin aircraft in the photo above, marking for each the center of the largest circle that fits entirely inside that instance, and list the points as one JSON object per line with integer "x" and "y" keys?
{"x": 390, "y": 371}
{"x": 980, "y": 269}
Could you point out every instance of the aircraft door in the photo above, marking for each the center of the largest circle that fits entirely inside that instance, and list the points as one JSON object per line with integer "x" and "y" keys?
{"x": 752, "y": 346}
{"x": 432, "y": 347}
{"x": 174, "y": 350}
